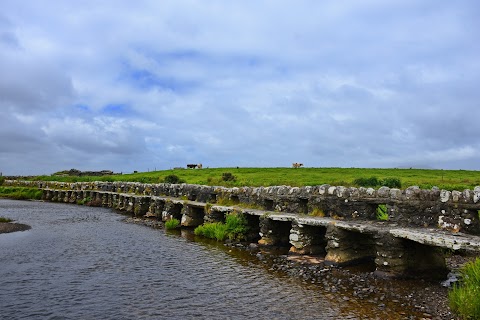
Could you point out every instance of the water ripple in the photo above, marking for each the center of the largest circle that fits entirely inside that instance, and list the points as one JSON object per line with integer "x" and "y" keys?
{"x": 84, "y": 263}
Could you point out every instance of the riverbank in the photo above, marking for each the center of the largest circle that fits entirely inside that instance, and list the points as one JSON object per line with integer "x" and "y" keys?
{"x": 8, "y": 227}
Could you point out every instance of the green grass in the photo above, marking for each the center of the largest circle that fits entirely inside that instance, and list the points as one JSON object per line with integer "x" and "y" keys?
{"x": 425, "y": 179}
{"x": 234, "y": 228}
{"x": 382, "y": 213}
{"x": 464, "y": 298}
{"x": 172, "y": 224}
{"x": 21, "y": 193}
{"x": 5, "y": 220}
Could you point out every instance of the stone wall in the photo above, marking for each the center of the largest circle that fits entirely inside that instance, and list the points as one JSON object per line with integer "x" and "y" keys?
{"x": 435, "y": 208}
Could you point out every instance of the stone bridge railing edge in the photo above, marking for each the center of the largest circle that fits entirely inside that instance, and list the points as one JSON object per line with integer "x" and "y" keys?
{"x": 452, "y": 210}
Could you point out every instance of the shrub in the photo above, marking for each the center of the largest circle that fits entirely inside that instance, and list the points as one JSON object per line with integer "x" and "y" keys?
{"x": 228, "y": 176}
{"x": 464, "y": 298}
{"x": 366, "y": 182}
{"x": 382, "y": 213}
{"x": 375, "y": 182}
{"x": 392, "y": 183}
{"x": 172, "y": 178}
{"x": 172, "y": 224}
{"x": 234, "y": 228}
{"x": 212, "y": 230}
{"x": 2, "y": 179}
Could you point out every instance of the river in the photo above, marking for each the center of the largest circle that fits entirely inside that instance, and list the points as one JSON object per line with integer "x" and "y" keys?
{"x": 79, "y": 262}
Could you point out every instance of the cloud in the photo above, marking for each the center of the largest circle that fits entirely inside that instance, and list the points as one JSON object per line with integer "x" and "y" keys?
{"x": 130, "y": 86}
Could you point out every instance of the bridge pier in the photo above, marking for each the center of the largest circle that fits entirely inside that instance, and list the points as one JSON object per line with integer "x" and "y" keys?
{"x": 347, "y": 247}
{"x": 192, "y": 216}
{"x": 404, "y": 258}
{"x": 156, "y": 208}
{"x": 141, "y": 206}
{"x": 171, "y": 210}
{"x": 307, "y": 239}
{"x": 274, "y": 232}
{"x": 216, "y": 213}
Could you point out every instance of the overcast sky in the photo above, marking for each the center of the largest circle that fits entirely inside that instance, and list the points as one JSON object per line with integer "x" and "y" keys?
{"x": 144, "y": 85}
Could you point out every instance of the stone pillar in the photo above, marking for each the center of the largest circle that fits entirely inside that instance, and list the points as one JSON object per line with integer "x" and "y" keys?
{"x": 54, "y": 196}
{"x": 348, "y": 247}
{"x": 98, "y": 197}
{"x": 47, "y": 195}
{"x": 171, "y": 211}
{"x": 151, "y": 212}
{"x": 67, "y": 196}
{"x": 141, "y": 206}
{"x": 129, "y": 204}
{"x": 192, "y": 216}
{"x": 307, "y": 239}
{"x": 275, "y": 233}
{"x": 398, "y": 257}
{"x": 216, "y": 214}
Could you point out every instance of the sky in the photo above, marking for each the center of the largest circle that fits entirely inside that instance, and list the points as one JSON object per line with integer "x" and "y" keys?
{"x": 151, "y": 85}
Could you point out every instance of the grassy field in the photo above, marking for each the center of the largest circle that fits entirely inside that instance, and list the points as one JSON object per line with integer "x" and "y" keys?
{"x": 426, "y": 179}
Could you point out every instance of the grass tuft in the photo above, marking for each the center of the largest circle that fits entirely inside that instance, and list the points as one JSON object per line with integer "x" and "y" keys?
{"x": 382, "y": 213}
{"x": 5, "y": 220}
{"x": 172, "y": 224}
{"x": 464, "y": 298}
{"x": 234, "y": 228}
{"x": 317, "y": 212}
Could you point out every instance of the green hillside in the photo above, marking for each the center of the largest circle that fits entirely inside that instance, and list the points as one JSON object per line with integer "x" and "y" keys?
{"x": 426, "y": 179}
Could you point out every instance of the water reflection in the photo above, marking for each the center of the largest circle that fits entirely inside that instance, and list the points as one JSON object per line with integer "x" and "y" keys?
{"x": 85, "y": 263}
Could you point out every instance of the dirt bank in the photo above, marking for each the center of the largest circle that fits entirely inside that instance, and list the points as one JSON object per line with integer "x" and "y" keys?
{"x": 12, "y": 227}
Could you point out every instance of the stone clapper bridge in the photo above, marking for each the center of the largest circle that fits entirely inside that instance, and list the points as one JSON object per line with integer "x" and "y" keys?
{"x": 337, "y": 222}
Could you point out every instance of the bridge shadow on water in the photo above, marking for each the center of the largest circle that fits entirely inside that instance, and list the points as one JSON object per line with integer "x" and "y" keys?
{"x": 357, "y": 292}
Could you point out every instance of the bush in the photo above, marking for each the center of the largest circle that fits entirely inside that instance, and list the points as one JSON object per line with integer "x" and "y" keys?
{"x": 464, "y": 298}
{"x": 392, "y": 183}
{"x": 213, "y": 230}
{"x": 172, "y": 178}
{"x": 172, "y": 224}
{"x": 5, "y": 220}
{"x": 375, "y": 182}
{"x": 366, "y": 182}
{"x": 228, "y": 176}
{"x": 234, "y": 228}
{"x": 2, "y": 179}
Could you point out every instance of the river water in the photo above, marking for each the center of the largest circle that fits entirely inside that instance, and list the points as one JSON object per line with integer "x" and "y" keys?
{"x": 80, "y": 262}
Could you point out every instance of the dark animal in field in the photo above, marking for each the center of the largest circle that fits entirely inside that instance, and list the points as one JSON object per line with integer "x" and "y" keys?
{"x": 193, "y": 166}
{"x": 297, "y": 165}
